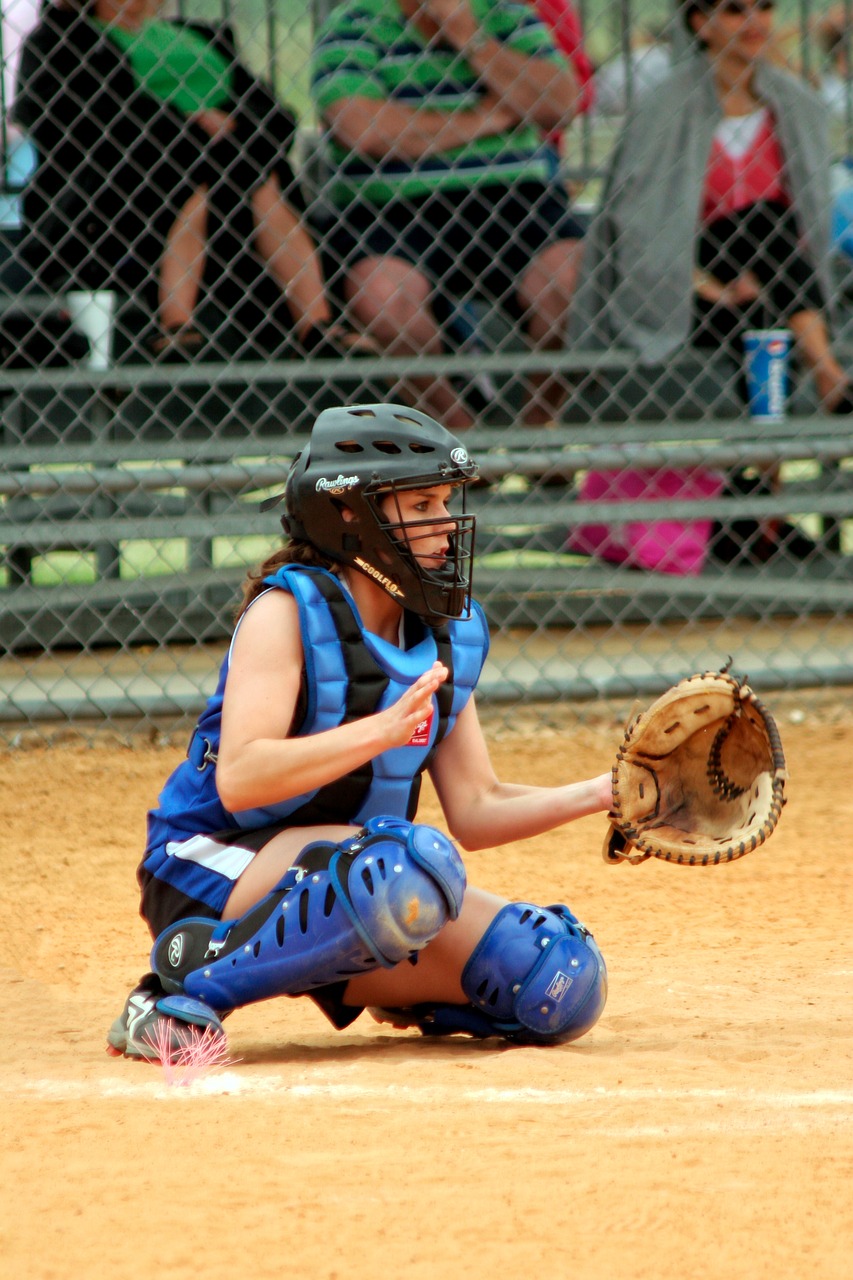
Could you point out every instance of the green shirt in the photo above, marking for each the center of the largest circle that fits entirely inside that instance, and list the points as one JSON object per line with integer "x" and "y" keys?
{"x": 176, "y": 65}
{"x": 367, "y": 48}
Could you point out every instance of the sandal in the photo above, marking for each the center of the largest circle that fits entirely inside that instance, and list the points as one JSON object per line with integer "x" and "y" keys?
{"x": 335, "y": 339}
{"x": 175, "y": 346}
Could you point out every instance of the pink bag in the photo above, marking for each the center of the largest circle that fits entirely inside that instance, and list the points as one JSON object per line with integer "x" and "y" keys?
{"x": 667, "y": 546}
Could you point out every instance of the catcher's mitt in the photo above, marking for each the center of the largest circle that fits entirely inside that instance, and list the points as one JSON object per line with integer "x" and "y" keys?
{"x": 699, "y": 778}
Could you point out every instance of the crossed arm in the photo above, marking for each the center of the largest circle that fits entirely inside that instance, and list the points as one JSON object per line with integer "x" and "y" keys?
{"x": 519, "y": 89}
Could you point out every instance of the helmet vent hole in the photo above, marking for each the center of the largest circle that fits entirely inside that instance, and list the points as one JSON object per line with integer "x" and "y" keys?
{"x": 387, "y": 446}
{"x": 349, "y": 446}
{"x": 416, "y": 446}
{"x": 279, "y": 931}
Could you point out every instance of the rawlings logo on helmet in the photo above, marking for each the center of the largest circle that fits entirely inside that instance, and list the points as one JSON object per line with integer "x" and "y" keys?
{"x": 389, "y": 585}
{"x": 459, "y": 457}
{"x": 338, "y": 485}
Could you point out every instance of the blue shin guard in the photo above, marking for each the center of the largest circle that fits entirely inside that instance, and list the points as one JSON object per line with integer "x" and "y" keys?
{"x": 535, "y": 977}
{"x": 343, "y": 909}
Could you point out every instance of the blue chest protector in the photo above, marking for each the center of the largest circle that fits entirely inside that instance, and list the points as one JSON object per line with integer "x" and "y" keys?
{"x": 349, "y": 673}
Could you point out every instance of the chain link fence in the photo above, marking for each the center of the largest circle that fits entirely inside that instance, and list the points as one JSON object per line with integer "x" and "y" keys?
{"x": 221, "y": 218}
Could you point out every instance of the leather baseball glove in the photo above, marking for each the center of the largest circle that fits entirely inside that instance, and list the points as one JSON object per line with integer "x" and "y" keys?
{"x": 699, "y": 778}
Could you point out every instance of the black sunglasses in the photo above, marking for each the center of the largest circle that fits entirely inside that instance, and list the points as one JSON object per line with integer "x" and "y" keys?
{"x": 742, "y": 8}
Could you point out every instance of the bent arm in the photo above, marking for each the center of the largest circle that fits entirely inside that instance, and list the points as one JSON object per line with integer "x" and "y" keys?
{"x": 539, "y": 89}
{"x": 259, "y": 764}
{"x": 482, "y": 811}
{"x": 390, "y": 129}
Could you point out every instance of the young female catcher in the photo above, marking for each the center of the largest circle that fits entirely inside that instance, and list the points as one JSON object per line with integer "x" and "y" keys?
{"x": 284, "y": 857}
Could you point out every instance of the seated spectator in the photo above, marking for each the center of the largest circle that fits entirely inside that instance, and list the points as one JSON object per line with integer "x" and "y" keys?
{"x": 162, "y": 161}
{"x": 443, "y": 188}
{"x": 715, "y": 214}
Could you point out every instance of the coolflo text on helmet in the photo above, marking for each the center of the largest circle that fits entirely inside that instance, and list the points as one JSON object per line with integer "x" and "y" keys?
{"x": 357, "y": 456}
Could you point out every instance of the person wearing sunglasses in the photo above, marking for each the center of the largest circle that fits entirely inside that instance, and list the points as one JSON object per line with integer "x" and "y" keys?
{"x": 715, "y": 213}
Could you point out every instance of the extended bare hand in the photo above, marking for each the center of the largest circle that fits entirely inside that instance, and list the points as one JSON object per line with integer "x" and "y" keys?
{"x": 414, "y": 708}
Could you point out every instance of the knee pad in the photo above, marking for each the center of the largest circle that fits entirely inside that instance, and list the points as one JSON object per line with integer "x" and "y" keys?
{"x": 342, "y": 909}
{"x": 537, "y": 975}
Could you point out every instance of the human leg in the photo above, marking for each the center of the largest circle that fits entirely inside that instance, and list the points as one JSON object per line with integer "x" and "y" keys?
{"x": 529, "y": 974}
{"x": 765, "y": 241}
{"x": 519, "y": 247}
{"x": 545, "y": 296}
{"x": 390, "y": 299}
{"x": 286, "y": 246}
{"x": 179, "y": 283}
{"x": 784, "y": 268}
{"x": 342, "y": 907}
{"x": 182, "y": 264}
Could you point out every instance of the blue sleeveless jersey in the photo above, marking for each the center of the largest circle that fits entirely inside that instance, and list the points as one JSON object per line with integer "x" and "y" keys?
{"x": 348, "y": 673}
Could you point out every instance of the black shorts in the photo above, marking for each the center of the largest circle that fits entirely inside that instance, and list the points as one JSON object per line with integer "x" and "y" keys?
{"x": 468, "y": 242}
{"x": 763, "y": 238}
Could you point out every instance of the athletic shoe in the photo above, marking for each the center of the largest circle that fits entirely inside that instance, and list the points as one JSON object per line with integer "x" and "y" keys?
{"x": 154, "y": 1026}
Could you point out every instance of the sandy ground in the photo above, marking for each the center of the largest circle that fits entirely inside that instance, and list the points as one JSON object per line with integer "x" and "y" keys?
{"x": 703, "y": 1129}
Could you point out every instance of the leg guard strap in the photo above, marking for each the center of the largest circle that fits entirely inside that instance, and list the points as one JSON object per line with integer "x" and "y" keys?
{"x": 343, "y": 909}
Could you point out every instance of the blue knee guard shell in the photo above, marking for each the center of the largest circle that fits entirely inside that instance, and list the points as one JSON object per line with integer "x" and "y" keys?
{"x": 342, "y": 909}
{"x": 537, "y": 972}
{"x": 535, "y": 977}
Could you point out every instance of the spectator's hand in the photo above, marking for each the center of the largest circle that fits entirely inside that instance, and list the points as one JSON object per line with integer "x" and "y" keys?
{"x": 498, "y": 115}
{"x": 414, "y": 709}
{"x": 742, "y": 291}
{"x": 214, "y": 122}
{"x": 739, "y": 293}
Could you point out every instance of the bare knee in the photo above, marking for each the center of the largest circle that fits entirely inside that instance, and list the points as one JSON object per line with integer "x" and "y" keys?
{"x": 391, "y": 299}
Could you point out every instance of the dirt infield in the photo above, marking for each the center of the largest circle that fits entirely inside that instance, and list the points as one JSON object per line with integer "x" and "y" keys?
{"x": 703, "y": 1129}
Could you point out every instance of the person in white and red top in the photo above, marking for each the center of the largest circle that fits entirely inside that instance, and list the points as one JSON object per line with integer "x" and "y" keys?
{"x": 715, "y": 211}
{"x": 752, "y": 269}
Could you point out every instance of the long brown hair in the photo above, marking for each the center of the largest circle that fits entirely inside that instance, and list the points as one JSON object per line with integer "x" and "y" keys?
{"x": 294, "y": 551}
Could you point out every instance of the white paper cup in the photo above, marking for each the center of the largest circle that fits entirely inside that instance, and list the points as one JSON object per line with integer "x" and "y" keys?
{"x": 91, "y": 312}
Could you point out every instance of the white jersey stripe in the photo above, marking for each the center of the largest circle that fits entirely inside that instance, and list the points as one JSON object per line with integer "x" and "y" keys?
{"x": 229, "y": 860}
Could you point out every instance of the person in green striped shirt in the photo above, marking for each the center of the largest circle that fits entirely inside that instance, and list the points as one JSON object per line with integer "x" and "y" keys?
{"x": 435, "y": 111}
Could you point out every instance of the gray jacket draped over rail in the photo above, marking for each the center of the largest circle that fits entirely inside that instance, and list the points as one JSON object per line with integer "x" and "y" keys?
{"x": 635, "y": 287}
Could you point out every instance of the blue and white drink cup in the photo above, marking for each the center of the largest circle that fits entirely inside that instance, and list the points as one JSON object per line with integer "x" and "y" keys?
{"x": 767, "y": 353}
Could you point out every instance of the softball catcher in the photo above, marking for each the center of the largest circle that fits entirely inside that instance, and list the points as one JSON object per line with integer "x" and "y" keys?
{"x": 284, "y": 857}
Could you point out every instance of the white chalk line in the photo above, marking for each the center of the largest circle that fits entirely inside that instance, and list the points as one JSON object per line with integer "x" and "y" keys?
{"x": 743, "y": 1104}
